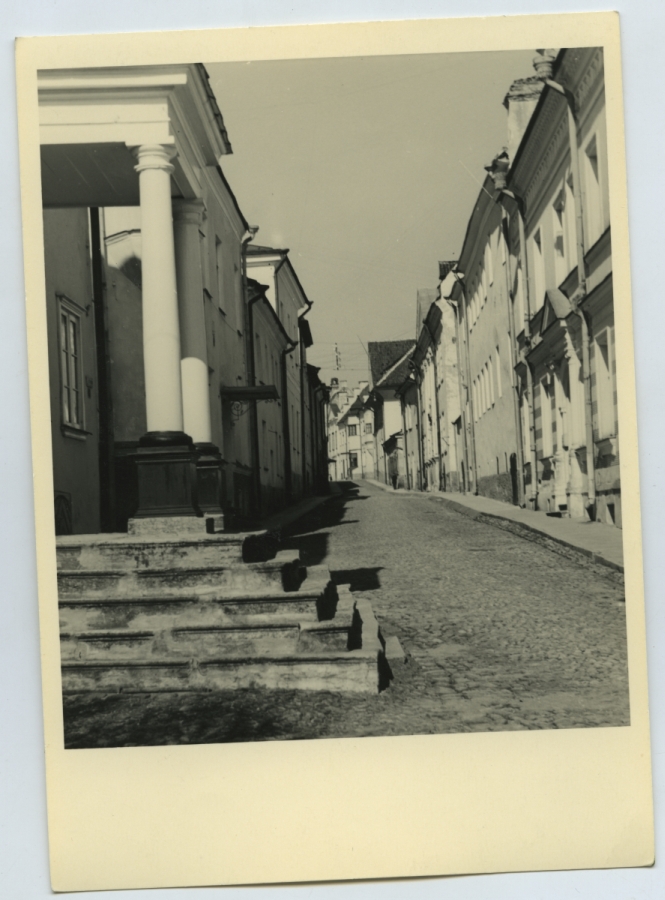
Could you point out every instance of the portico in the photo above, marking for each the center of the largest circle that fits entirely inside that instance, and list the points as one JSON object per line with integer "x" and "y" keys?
{"x": 128, "y": 137}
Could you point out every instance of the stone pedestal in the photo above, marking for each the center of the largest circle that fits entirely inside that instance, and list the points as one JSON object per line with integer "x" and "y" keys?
{"x": 209, "y": 474}
{"x": 167, "y": 481}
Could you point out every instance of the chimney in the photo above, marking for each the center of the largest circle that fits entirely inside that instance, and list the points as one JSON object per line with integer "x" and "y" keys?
{"x": 498, "y": 169}
{"x": 521, "y": 99}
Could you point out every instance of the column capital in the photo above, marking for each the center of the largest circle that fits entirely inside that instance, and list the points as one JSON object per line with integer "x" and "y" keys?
{"x": 192, "y": 212}
{"x": 154, "y": 156}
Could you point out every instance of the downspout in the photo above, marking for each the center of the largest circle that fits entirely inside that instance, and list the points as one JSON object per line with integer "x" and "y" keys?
{"x": 469, "y": 393}
{"x": 580, "y": 293}
{"x": 303, "y": 430}
{"x": 107, "y": 511}
{"x": 419, "y": 425}
{"x": 253, "y": 411}
{"x": 513, "y": 354}
{"x": 465, "y": 450}
{"x": 436, "y": 405}
{"x": 286, "y": 431}
{"x": 406, "y": 446}
{"x": 526, "y": 285}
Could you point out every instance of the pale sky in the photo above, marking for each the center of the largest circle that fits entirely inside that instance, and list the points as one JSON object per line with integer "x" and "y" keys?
{"x": 367, "y": 170}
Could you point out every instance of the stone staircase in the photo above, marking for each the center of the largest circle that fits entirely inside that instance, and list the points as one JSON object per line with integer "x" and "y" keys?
{"x": 190, "y": 613}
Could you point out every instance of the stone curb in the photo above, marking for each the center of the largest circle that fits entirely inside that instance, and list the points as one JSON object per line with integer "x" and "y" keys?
{"x": 522, "y": 529}
{"x": 493, "y": 519}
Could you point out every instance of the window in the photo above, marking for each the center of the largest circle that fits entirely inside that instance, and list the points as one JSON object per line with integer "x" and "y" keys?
{"x": 219, "y": 266}
{"x": 538, "y": 272}
{"x": 546, "y": 417}
{"x": 560, "y": 242}
{"x": 368, "y": 428}
{"x": 519, "y": 303}
{"x": 489, "y": 261}
{"x": 490, "y": 381}
{"x": 70, "y": 366}
{"x": 570, "y": 223}
{"x": 604, "y": 384}
{"x": 499, "y": 386}
{"x": 205, "y": 262}
{"x": 353, "y": 430}
{"x": 592, "y": 192}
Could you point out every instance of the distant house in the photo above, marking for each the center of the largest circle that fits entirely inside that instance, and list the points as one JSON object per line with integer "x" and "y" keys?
{"x": 389, "y": 368}
{"x": 344, "y": 428}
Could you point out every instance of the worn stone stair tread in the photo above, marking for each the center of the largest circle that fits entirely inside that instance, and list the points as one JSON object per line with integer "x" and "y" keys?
{"x": 271, "y": 565}
{"x": 342, "y": 620}
{"x": 202, "y": 596}
{"x": 123, "y": 539}
{"x": 163, "y": 615}
{"x": 227, "y": 659}
{"x": 246, "y": 624}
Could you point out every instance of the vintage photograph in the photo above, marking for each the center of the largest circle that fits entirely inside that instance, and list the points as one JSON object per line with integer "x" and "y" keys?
{"x": 333, "y": 396}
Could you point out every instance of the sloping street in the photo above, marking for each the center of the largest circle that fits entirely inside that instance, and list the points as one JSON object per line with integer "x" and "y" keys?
{"x": 498, "y": 632}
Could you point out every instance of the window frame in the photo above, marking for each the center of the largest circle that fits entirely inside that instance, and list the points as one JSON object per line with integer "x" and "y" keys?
{"x": 606, "y": 424}
{"x": 72, "y": 312}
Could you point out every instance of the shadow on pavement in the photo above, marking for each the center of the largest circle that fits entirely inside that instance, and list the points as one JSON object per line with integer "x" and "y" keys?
{"x": 358, "y": 579}
{"x": 309, "y": 535}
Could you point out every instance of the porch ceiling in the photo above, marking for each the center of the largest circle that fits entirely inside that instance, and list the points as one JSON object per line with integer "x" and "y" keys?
{"x": 92, "y": 175}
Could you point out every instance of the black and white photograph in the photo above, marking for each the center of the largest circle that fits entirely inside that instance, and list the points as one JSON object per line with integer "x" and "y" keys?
{"x": 356, "y": 476}
{"x": 333, "y": 412}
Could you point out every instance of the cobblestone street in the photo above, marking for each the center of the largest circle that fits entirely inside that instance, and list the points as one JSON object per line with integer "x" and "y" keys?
{"x": 499, "y": 633}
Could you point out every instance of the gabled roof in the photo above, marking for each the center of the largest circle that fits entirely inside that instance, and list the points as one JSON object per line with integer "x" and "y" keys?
{"x": 257, "y": 291}
{"x": 257, "y": 250}
{"x": 386, "y": 360}
{"x": 358, "y": 404}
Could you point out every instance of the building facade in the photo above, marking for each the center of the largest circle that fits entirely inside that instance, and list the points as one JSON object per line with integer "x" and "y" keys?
{"x": 510, "y": 390}
{"x": 390, "y": 367}
{"x": 153, "y": 387}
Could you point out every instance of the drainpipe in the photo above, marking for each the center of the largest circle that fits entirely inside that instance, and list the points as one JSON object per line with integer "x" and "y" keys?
{"x": 251, "y": 356}
{"x": 472, "y": 419}
{"x": 406, "y": 447}
{"x": 580, "y": 293}
{"x": 419, "y": 418}
{"x": 524, "y": 265}
{"x": 286, "y": 431}
{"x": 304, "y": 387}
{"x": 436, "y": 405}
{"x": 513, "y": 354}
{"x": 303, "y": 429}
{"x": 460, "y": 383}
{"x": 107, "y": 509}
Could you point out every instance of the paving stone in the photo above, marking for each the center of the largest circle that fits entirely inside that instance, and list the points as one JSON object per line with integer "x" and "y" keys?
{"x": 516, "y": 637}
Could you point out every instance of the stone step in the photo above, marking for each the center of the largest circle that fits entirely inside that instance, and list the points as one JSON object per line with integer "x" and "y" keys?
{"x": 341, "y": 654}
{"x": 285, "y": 572}
{"x": 357, "y": 671}
{"x": 316, "y": 598}
{"x": 285, "y": 636}
{"x": 127, "y": 552}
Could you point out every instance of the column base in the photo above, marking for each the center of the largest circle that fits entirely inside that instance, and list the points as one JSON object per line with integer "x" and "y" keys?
{"x": 166, "y": 474}
{"x": 209, "y": 464}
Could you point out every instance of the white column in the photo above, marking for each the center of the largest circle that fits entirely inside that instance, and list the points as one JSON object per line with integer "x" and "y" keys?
{"x": 194, "y": 364}
{"x": 161, "y": 332}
